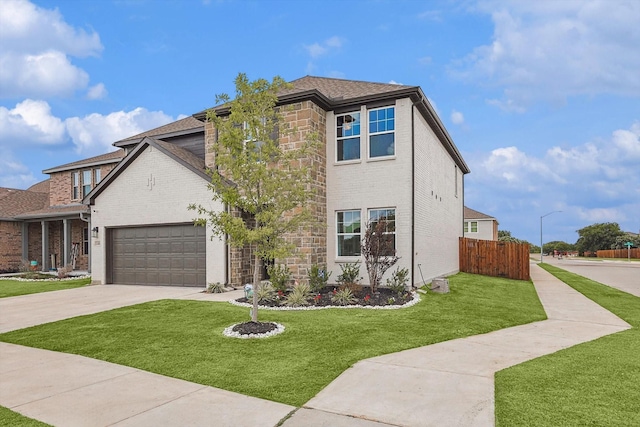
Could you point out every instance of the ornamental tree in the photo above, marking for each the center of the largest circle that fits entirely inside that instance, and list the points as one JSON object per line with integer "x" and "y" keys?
{"x": 378, "y": 249}
{"x": 264, "y": 184}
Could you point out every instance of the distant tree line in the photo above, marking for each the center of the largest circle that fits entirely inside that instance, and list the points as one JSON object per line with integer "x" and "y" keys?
{"x": 591, "y": 238}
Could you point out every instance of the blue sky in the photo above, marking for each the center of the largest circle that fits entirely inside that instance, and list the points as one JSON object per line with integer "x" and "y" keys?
{"x": 542, "y": 98}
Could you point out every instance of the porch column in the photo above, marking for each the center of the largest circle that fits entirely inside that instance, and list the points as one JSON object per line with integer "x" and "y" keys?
{"x": 66, "y": 234}
{"x": 25, "y": 241}
{"x": 45, "y": 245}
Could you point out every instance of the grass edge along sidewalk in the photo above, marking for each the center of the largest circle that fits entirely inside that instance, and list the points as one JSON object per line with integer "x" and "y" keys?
{"x": 13, "y": 288}
{"x": 596, "y": 383}
{"x": 183, "y": 339}
{"x": 14, "y": 419}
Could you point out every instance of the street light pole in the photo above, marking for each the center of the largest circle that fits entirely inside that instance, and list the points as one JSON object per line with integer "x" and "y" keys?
{"x": 541, "y": 251}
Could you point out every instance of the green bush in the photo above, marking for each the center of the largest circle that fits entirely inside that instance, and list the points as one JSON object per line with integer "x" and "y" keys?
{"x": 350, "y": 273}
{"x": 398, "y": 281}
{"x": 318, "y": 278}
{"x": 280, "y": 276}
{"x": 299, "y": 296}
{"x": 343, "y": 296}
{"x": 266, "y": 292}
{"x": 216, "y": 288}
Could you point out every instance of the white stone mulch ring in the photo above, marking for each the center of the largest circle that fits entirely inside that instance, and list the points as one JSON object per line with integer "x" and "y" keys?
{"x": 229, "y": 332}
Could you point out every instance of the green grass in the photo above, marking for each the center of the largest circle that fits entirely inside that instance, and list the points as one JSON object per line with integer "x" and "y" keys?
{"x": 12, "y": 288}
{"x": 592, "y": 384}
{"x": 14, "y": 419}
{"x": 183, "y": 339}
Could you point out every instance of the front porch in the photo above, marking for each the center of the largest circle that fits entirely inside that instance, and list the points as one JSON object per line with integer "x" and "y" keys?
{"x": 52, "y": 243}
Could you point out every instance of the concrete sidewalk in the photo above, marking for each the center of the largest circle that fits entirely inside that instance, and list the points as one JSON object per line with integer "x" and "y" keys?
{"x": 69, "y": 390}
{"x": 446, "y": 384}
{"x": 452, "y": 383}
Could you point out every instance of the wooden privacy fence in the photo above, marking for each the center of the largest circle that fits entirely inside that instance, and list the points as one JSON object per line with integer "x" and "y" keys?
{"x": 618, "y": 253}
{"x": 494, "y": 258}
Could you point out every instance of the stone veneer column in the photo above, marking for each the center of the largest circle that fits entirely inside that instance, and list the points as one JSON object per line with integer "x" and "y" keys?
{"x": 303, "y": 118}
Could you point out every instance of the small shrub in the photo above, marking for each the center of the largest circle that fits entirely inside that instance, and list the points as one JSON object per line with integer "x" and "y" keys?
{"x": 398, "y": 281}
{"x": 25, "y": 266}
{"x": 343, "y": 296}
{"x": 280, "y": 276}
{"x": 350, "y": 273}
{"x": 299, "y": 296}
{"x": 355, "y": 288}
{"x": 216, "y": 288}
{"x": 318, "y": 278}
{"x": 266, "y": 292}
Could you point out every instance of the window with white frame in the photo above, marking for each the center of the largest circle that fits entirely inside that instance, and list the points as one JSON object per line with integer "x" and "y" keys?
{"x": 387, "y": 215}
{"x": 382, "y": 124}
{"x": 348, "y": 233}
{"x": 86, "y": 182}
{"x": 348, "y": 137}
{"x": 471, "y": 226}
{"x": 97, "y": 176}
{"x": 75, "y": 185}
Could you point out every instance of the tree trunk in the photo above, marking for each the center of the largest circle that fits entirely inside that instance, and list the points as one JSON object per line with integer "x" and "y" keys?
{"x": 256, "y": 284}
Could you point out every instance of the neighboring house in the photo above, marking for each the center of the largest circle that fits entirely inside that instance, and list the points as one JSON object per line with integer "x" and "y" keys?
{"x": 383, "y": 153}
{"x": 479, "y": 226}
{"x": 48, "y": 223}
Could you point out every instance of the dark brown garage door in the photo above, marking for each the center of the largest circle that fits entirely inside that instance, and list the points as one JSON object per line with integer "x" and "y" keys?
{"x": 168, "y": 255}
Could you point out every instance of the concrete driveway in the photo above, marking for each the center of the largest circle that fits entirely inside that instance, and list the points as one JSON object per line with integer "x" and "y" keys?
{"x": 623, "y": 275}
{"x": 35, "y": 309}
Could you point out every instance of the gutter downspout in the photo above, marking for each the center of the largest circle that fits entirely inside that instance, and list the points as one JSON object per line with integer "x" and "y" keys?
{"x": 413, "y": 195}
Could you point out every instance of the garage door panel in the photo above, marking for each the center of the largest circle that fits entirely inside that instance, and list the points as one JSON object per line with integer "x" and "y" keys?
{"x": 159, "y": 255}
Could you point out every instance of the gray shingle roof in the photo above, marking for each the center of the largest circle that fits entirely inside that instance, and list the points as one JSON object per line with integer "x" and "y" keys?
{"x": 341, "y": 89}
{"x": 112, "y": 157}
{"x": 17, "y": 202}
{"x": 177, "y": 127}
{"x": 473, "y": 214}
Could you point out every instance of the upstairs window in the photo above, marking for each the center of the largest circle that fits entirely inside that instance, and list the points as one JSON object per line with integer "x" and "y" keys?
{"x": 86, "y": 182}
{"x": 471, "y": 226}
{"x": 97, "y": 176}
{"x": 75, "y": 185}
{"x": 348, "y": 136}
{"x": 382, "y": 124}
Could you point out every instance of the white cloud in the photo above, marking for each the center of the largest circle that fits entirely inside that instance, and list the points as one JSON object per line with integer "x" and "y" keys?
{"x": 97, "y": 92}
{"x": 552, "y": 50}
{"x": 393, "y": 82}
{"x": 30, "y": 122}
{"x": 598, "y": 181}
{"x": 317, "y": 50}
{"x": 457, "y": 118}
{"x": 13, "y": 174}
{"x": 35, "y": 50}
{"x": 94, "y": 134}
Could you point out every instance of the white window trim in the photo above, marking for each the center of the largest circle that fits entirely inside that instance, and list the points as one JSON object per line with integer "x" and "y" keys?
{"x": 369, "y": 134}
{"x": 395, "y": 221}
{"x": 346, "y": 258}
{"x": 75, "y": 185}
{"x": 467, "y": 227}
{"x": 336, "y": 138}
{"x": 83, "y": 184}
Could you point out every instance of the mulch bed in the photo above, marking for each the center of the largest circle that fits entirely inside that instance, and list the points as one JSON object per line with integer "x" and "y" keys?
{"x": 363, "y": 296}
{"x": 248, "y": 328}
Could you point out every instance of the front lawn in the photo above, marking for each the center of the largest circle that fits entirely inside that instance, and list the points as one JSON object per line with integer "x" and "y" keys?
{"x": 591, "y": 384}
{"x": 183, "y": 339}
{"x": 12, "y": 287}
{"x": 14, "y": 419}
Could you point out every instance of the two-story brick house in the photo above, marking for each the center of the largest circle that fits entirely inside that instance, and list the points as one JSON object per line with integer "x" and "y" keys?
{"x": 383, "y": 152}
{"x": 48, "y": 223}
